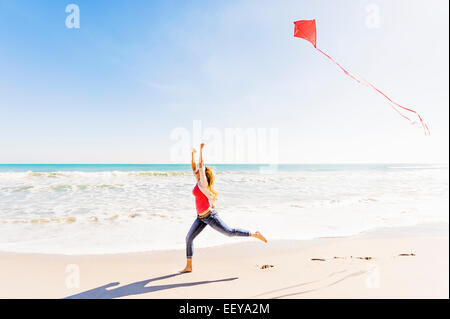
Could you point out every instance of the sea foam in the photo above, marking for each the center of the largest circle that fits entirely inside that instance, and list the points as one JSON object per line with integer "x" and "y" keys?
{"x": 126, "y": 210}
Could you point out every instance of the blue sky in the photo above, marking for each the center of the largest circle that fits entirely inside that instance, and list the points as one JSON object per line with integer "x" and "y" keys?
{"x": 113, "y": 90}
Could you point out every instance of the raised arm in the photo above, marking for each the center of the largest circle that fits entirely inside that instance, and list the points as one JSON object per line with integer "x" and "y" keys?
{"x": 193, "y": 164}
{"x": 200, "y": 161}
{"x": 201, "y": 167}
{"x": 203, "y": 182}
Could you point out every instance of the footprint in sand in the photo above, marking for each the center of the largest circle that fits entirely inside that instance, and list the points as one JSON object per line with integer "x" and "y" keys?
{"x": 266, "y": 266}
{"x": 356, "y": 257}
{"x": 321, "y": 259}
{"x": 364, "y": 258}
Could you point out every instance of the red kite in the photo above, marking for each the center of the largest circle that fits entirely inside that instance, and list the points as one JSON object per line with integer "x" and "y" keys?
{"x": 306, "y": 29}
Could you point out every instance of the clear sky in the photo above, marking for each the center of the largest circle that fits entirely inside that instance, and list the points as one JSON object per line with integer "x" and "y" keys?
{"x": 113, "y": 90}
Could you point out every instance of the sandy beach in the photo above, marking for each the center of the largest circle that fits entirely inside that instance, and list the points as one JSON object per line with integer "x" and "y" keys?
{"x": 365, "y": 266}
{"x": 132, "y": 130}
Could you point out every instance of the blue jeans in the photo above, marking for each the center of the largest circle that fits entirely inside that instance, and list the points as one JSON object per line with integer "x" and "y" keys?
{"x": 215, "y": 222}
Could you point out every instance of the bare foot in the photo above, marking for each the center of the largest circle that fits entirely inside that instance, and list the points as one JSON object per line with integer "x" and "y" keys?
{"x": 185, "y": 270}
{"x": 259, "y": 236}
{"x": 188, "y": 267}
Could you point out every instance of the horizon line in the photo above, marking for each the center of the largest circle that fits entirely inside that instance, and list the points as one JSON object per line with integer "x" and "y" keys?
{"x": 188, "y": 163}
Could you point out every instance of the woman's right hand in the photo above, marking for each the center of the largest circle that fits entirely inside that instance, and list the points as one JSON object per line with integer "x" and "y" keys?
{"x": 193, "y": 150}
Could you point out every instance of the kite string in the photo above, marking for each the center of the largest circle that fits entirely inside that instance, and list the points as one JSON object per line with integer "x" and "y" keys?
{"x": 345, "y": 71}
{"x": 391, "y": 102}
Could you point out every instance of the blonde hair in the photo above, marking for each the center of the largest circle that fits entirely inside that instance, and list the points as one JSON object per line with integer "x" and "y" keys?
{"x": 210, "y": 177}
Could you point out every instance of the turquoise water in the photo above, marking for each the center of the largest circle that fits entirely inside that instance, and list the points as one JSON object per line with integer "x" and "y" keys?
{"x": 219, "y": 167}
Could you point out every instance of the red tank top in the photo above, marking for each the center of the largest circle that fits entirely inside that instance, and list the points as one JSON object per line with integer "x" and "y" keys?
{"x": 201, "y": 201}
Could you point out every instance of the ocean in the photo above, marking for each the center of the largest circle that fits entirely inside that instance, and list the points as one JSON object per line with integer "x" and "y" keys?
{"x": 108, "y": 208}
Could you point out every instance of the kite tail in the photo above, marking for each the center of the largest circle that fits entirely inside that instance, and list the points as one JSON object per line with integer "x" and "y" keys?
{"x": 424, "y": 125}
{"x": 393, "y": 104}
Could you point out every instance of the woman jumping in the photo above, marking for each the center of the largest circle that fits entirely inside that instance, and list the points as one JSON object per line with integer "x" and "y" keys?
{"x": 205, "y": 196}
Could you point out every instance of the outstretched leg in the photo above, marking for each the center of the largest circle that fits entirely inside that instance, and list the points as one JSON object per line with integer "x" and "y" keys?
{"x": 218, "y": 224}
{"x": 196, "y": 228}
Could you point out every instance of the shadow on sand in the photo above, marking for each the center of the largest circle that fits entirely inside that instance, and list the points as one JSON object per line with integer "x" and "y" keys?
{"x": 137, "y": 288}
